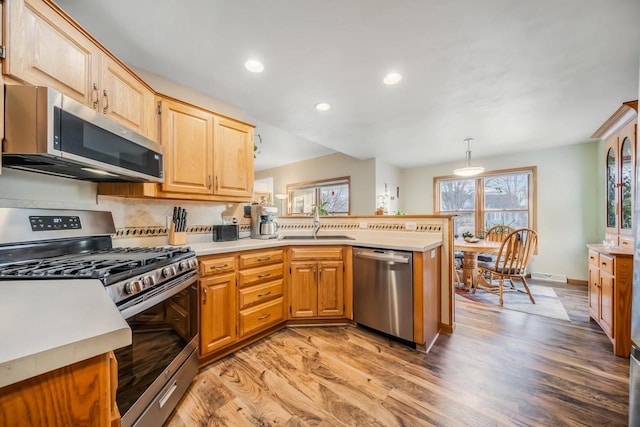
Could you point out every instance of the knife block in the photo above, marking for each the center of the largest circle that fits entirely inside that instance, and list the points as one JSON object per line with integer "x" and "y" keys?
{"x": 175, "y": 237}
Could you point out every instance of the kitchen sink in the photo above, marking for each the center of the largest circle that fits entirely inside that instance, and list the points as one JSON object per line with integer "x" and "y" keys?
{"x": 329, "y": 237}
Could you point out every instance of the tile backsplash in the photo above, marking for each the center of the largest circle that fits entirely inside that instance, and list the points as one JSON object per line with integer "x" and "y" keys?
{"x": 29, "y": 190}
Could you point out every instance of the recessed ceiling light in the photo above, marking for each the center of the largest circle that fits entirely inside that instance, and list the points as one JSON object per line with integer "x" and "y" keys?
{"x": 322, "y": 106}
{"x": 254, "y": 66}
{"x": 392, "y": 78}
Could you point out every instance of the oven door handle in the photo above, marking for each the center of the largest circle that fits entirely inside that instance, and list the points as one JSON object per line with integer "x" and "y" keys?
{"x": 185, "y": 281}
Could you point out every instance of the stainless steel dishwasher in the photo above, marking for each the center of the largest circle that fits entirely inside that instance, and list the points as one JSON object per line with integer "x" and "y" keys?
{"x": 383, "y": 291}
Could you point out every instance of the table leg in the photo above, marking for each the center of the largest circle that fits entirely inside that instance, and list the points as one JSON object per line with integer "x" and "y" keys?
{"x": 469, "y": 269}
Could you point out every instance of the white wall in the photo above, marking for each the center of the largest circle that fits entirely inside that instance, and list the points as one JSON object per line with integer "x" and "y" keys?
{"x": 362, "y": 173}
{"x": 570, "y": 204}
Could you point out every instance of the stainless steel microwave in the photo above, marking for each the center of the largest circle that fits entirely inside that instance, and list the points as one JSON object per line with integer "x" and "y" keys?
{"x": 51, "y": 133}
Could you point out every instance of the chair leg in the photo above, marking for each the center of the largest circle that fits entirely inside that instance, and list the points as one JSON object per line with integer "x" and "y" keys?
{"x": 501, "y": 284}
{"x": 526, "y": 287}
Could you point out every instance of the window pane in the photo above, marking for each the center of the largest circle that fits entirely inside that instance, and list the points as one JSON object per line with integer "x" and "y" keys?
{"x": 463, "y": 223}
{"x": 334, "y": 200}
{"x": 302, "y": 201}
{"x": 457, "y": 195}
{"x": 512, "y": 219}
{"x": 506, "y": 192}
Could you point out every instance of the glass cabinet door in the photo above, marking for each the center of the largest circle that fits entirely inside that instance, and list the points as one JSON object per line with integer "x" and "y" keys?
{"x": 611, "y": 188}
{"x": 626, "y": 181}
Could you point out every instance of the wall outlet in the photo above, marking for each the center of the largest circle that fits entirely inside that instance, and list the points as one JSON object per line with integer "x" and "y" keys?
{"x": 364, "y": 225}
{"x": 410, "y": 226}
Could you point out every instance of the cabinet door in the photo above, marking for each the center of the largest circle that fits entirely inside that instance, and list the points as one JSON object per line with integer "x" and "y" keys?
{"x": 607, "y": 283}
{"x": 626, "y": 173}
{"x": 594, "y": 292}
{"x": 46, "y": 50}
{"x": 187, "y": 138}
{"x": 304, "y": 290}
{"x": 233, "y": 158}
{"x": 330, "y": 288}
{"x": 126, "y": 100}
{"x": 218, "y": 312}
{"x": 612, "y": 186}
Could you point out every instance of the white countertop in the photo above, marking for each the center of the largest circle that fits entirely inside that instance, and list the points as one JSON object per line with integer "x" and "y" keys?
{"x": 418, "y": 242}
{"x": 48, "y": 324}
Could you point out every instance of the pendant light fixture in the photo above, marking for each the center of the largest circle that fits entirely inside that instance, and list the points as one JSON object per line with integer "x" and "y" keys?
{"x": 468, "y": 170}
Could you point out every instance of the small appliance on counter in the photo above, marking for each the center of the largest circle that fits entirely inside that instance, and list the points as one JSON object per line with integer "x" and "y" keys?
{"x": 226, "y": 232}
{"x": 263, "y": 224}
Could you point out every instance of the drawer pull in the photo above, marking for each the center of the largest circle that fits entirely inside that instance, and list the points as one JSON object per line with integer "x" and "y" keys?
{"x": 264, "y": 316}
{"x": 604, "y": 263}
{"x": 264, "y": 294}
{"x": 260, "y": 276}
{"x": 215, "y": 267}
{"x": 264, "y": 258}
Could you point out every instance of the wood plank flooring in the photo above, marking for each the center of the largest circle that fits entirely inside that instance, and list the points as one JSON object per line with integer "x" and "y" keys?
{"x": 500, "y": 367}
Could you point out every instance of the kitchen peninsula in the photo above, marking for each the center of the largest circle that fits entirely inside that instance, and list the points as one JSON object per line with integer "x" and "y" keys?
{"x": 250, "y": 287}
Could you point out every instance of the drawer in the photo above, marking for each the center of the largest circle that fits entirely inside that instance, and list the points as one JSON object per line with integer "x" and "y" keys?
{"x": 217, "y": 265}
{"x": 606, "y": 264}
{"x": 593, "y": 258}
{"x": 261, "y": 316}
{"x": 259, "y": 274}
{"x": 259, "y": 293}
{"x": 316, "y": 252}
{"x": 626, "y": 242}
{"x": 260, "y": 258}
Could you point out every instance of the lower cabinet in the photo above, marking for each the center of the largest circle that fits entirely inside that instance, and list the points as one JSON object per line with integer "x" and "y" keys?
{"x": 82, "y": 394}
{"x": 316, "y": 282}
{"x": 218, "y": 311}
{"x": 241, "y": 294}
{"x": 610, "y": 285}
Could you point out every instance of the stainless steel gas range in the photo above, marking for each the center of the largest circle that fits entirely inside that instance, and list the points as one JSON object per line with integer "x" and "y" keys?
{"x": 155, "y": 290}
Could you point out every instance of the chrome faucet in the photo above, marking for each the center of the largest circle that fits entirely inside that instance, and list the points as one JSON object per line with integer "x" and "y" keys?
{"x": 316, "y": 220}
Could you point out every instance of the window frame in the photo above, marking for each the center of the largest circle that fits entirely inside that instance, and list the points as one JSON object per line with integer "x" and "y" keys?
{"x": 479, "y": 211}
{"x": 317, "y": 186}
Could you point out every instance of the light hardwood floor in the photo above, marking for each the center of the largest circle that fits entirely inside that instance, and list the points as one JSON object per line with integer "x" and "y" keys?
{"x": 500, "y": 367}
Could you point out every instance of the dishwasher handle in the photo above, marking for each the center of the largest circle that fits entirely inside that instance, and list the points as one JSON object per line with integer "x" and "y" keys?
{"x": 383, "y": 256}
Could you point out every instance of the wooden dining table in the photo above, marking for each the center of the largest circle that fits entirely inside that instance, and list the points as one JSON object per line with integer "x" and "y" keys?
{"x": 470, "y": 251}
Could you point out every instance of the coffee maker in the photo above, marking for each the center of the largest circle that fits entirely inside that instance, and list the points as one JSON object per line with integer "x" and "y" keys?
{"x": 263, "y": 225}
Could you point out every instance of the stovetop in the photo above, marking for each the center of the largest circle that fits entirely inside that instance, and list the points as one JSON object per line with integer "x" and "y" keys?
{"x": 109, "y": 265}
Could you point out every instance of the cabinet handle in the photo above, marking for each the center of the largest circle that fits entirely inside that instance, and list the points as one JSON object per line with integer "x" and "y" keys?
{"x": 604, "y": 263}
{"x": 105, "y": 110}
{"x": 266, "y": 258}
{"x": 96, "y": 98}
{"x": 209, "y": 182}
{"x": 204, "y": 292}
{"x": 217, "y": 182}
{"x": 264, "y": 294}
{"x": 215, "y": 267}
{"x": 264, "y": 316}
{"x": 260, "y": 276}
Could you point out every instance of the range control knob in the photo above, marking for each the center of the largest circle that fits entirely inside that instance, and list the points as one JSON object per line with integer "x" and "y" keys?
{"x": 133, "y": 287}
{"x": 169, "y": 271}
{"x": 193, "y": 263}
{"x": 148, "y": 281}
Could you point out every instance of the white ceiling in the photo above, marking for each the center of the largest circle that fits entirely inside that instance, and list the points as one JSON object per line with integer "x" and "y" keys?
{"x": 514, "y": 75}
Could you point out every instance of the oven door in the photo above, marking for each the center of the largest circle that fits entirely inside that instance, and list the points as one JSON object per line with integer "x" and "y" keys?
{"x": 159, "y": 365}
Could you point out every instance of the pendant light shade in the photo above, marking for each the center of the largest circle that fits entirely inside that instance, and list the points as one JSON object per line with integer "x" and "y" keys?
{"x": 468, "y": 170}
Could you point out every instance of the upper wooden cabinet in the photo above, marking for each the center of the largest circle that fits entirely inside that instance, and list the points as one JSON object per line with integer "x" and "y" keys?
{"x": 122, "y": 97}
{"x": 620, "y": 135}
{"x": 187, "y": 138}
{"x": 233, "y": 158}
{"x": 45, "y": 49}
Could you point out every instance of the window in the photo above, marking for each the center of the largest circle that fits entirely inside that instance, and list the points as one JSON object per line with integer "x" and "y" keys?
{"x": 493, "y": 198}
{"x": 332, "y": 194}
